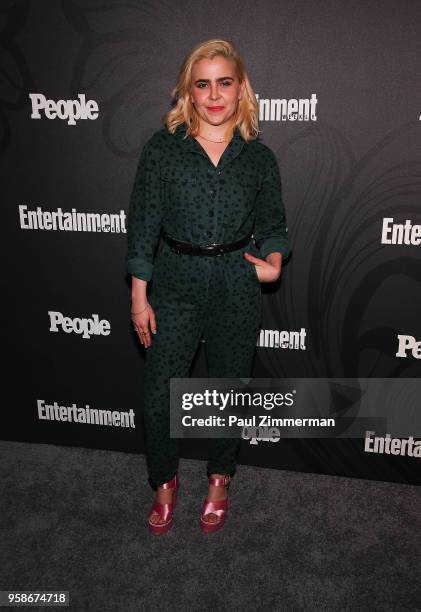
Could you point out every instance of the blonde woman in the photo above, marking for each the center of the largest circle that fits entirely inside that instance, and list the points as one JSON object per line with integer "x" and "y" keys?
{"x": 206, "y": 226}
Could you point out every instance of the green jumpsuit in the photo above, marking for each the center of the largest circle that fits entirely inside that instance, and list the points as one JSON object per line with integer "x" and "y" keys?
{"x": 179, "y": 190}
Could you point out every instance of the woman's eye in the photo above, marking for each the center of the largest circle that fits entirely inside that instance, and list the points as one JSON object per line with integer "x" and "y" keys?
{"x": 223, "y": 83}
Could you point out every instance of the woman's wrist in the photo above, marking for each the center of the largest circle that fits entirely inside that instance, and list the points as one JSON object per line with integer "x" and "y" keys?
{"x": 138, "y": 305}
{"x": 138, "y": 310}
{"x": 139, "y": 291}
{"x": 139, "y": 299}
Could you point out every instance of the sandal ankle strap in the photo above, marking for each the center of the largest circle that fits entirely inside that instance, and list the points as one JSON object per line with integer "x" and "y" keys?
{"x": 219, "y": 481}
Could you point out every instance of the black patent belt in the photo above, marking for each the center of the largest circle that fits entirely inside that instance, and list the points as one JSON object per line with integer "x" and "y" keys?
{"x": 186, "y": 248}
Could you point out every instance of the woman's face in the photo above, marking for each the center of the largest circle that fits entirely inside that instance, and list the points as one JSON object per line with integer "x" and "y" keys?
{"x": 215, "y": 90}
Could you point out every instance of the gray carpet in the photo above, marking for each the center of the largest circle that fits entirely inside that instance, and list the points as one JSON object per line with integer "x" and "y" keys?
{"x": 75, "y": 519}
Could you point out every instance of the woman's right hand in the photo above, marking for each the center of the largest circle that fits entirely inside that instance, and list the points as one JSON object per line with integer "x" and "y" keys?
{"x": 145, "y": 323}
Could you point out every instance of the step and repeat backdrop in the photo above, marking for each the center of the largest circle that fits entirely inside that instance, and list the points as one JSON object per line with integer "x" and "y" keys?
{"x": 84, "y": 84}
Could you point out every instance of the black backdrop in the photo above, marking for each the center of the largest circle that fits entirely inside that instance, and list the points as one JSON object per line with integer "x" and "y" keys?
{"x": 354, "y": 163}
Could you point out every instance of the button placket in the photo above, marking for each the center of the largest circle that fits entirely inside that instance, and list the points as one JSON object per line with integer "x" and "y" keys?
{"x": 211, "y": 192}
{"x": 218, "y": 205}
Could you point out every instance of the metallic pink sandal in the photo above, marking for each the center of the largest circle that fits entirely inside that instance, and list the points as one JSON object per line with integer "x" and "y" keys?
{"x": 219, "y": 508}
{"x": 165, "y": 511}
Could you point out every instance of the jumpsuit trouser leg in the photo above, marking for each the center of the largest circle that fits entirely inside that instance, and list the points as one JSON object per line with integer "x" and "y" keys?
{"x": 219, "y": 298}
{"x": 231, "y": 328}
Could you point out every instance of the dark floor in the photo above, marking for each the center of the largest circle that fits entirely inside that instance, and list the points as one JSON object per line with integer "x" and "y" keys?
{"x": 75, "y": 519}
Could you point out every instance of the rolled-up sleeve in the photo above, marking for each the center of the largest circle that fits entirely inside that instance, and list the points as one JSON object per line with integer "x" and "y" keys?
{"x": 145, "y": 215}
{"x": 271, "y": 231}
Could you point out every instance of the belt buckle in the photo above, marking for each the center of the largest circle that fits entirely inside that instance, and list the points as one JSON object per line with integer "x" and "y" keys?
{"x": 219, "y": 251}
{"x": 207, "y": 249}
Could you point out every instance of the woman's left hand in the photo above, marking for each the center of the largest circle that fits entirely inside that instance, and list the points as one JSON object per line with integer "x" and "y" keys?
{"x": 267, "y": 270}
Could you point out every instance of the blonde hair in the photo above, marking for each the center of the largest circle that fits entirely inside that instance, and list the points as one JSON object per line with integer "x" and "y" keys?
{"x": 246, "y": 115}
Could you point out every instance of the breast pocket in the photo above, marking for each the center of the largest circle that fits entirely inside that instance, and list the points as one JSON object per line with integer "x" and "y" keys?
{"x": 180, "y": 204}
{"x": 181, "y": 190}
{"x": 250, "y": 186}
{"x": 244, "y": 190}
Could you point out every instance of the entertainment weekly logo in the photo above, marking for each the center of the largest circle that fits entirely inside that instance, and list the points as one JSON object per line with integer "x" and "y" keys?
{"x": 273, "y": 338}
{"x": 73, "y": 221}
{"x": 283, "y": 109}
{"x": 85, "y": 415}
{"x": 400, "y": 233}
{"x": 284, "y": 339}
{"x": 66, "y": 110}
{"x": 392, "y": 446}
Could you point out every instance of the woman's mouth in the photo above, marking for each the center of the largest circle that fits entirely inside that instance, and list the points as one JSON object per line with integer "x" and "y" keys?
{"x": 215, "y": 109}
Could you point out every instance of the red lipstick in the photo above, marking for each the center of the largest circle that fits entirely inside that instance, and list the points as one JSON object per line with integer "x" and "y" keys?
{"x": 215, "y": 109}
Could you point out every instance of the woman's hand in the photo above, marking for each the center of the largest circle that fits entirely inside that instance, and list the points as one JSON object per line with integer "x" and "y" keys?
{"x": 268, "y": 270}
{"x": 142, "y": 314}
{"x": 144, "y": 323}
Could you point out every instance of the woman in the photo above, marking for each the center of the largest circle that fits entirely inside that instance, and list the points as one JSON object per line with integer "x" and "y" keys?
{"x": 204, "y": 184}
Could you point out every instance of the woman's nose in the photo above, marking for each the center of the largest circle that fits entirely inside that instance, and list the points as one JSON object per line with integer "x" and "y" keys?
{"x": 214, "y": 94}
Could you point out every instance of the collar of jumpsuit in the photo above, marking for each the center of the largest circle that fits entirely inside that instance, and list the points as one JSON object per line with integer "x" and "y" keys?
{"x": 232, "y": 150}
